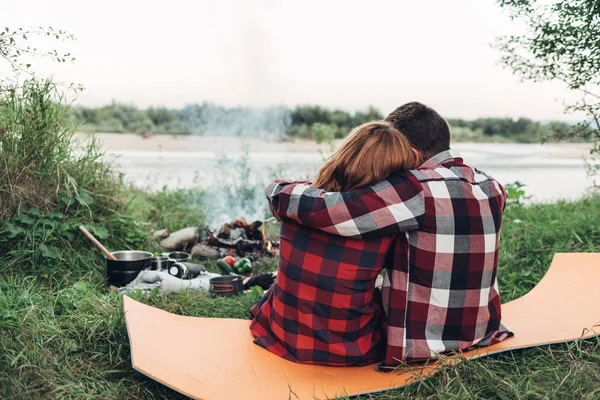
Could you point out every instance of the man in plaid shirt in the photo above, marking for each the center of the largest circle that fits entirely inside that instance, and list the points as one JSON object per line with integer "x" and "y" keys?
{"x": 440, "y": 292}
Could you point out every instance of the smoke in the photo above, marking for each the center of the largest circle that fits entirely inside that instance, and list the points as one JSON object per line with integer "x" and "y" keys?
{"x": 237, "y": 193}
{"x": 251, "y": 61}
{"x": 239, "y": 188}
{"x": 212, "y": 120}
{"x": 225, "y": 206}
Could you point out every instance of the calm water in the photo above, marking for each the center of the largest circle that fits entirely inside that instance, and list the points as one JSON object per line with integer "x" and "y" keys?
{"x": 549, "y": 172}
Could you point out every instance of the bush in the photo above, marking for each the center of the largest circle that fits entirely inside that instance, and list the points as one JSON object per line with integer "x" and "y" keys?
{"x": 40, "y": 169}
{"x": 324, "y": 133}
{"x": 301, "y": 131}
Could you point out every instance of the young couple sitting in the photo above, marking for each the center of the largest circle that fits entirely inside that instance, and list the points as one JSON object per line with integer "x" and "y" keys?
{"x": 393, "y": 198}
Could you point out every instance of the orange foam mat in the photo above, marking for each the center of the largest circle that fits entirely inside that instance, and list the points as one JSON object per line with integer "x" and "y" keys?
{"x": 213, "y": 358}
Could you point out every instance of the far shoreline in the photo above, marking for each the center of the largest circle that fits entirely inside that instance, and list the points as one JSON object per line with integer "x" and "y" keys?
{"x": 115, "y": 142}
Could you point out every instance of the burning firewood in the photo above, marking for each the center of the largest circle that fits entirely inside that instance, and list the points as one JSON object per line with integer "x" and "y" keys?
{"x": 240, "y": 244}
{"x": 240, "y": 223}
{"x": 271, "y": 247}
{"x": 239, "y": 235}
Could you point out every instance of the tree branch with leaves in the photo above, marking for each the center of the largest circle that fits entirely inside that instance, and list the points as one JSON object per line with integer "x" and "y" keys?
{"x": 561, "y": 43}
{"x": 15, "y": 51}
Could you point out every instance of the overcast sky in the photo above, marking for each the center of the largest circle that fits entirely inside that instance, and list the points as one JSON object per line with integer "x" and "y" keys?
{"x": 346, "y": 54}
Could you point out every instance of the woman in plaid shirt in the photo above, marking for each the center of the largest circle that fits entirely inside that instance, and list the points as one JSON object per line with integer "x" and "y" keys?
{"x": 324, "y": 307}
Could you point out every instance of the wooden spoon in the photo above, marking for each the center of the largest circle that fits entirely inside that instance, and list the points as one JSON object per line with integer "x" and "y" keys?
{"x": 107, "y": 253}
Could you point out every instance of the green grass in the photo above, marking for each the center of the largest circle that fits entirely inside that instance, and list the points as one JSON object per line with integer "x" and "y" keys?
{"x": 63, "y": 334}
{"x": 531, "y": 236}
{"x": 62, "y": 331}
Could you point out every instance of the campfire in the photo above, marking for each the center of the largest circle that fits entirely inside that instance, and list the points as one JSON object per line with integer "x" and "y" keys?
{"x": 238, "y": 237}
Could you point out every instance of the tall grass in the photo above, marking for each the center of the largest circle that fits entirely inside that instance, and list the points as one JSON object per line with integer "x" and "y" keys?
{"x": 40, "y": 168}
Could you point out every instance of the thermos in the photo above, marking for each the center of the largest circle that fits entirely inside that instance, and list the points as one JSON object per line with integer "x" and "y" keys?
{"x": 185, "y": 270}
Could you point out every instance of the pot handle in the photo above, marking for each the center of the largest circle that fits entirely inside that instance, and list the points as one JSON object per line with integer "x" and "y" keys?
{"x": 223, "y": 288}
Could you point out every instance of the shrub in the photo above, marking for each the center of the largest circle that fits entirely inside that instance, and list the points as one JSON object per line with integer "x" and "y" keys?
{"x": 40, "y": 168}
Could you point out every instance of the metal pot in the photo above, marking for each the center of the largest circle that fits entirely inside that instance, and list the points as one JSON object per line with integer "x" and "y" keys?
{"x": 121, "y": 278}
{"x": 129, "y": 260}
{"x": 180, "y": 256}
{"x": 127, "y": 266}
{"x": 226, "y": 286}
{"x": 161, "y": 263}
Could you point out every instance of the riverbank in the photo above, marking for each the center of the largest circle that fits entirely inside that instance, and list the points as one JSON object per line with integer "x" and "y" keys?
{"x": 175, "y": 143}
{"x": 178, "y": 143}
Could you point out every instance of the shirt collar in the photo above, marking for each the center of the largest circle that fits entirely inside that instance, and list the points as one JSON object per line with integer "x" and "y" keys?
{"x": 440, "y": 158}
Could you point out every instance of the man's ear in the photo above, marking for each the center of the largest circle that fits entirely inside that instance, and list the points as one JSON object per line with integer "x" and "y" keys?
{"x": 418, "y": 155}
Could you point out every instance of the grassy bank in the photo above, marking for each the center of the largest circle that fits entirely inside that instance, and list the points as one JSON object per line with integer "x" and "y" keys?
{"x": 62, "y": 331}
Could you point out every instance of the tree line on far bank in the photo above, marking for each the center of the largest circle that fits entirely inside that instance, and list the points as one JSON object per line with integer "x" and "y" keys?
{"x": 306, "y": 122}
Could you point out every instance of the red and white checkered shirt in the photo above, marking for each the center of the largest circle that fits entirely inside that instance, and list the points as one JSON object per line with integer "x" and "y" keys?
{"x": 324, "y": 308}
{"x": 440, "y": 294}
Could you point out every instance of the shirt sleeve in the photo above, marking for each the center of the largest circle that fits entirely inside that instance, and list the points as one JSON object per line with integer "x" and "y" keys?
{"x": 388, "y": 208}
{"x": 503, "y": 196}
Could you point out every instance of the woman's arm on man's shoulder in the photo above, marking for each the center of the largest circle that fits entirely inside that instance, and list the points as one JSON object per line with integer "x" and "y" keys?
{"x": 385, "y": 209}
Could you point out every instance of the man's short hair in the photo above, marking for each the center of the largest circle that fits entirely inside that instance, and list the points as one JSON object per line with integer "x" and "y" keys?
{"x": 425, "y": 129}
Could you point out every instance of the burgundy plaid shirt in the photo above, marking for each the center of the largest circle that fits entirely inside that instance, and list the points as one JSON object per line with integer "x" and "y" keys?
{"x": 323, "y": 308}
{"x": 440, "y": 293}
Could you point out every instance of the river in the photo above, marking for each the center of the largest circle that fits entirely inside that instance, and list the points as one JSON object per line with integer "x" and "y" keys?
{"x": 549, "y": 172}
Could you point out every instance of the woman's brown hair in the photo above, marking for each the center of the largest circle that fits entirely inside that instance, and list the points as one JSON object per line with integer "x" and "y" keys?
{"x": 370, "y": 154}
